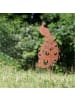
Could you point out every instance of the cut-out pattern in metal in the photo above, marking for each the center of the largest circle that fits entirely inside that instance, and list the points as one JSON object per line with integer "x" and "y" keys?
{"x": 48, "y": 52}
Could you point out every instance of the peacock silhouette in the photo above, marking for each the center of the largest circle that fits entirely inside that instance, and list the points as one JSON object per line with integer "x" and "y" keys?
{"x": 48, "y": 52}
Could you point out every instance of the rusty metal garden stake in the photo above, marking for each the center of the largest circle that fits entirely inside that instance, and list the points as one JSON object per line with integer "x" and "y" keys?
{"x": 49, "y": 51}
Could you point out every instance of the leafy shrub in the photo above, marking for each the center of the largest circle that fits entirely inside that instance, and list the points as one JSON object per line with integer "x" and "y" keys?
{"x": 20, "y": 38}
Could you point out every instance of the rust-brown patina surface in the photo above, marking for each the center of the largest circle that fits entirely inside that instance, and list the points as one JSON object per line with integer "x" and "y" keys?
{"x": 49, "y": 52}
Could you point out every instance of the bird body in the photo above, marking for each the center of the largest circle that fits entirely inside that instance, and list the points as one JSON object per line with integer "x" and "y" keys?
{"x": 49, "y": 52}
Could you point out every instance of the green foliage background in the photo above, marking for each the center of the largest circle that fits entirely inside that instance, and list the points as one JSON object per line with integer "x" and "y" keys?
{"x": 20, "y": 38}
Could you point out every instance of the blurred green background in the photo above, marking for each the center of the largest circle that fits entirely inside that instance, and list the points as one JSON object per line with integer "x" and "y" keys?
{"x": 20, "y": 39}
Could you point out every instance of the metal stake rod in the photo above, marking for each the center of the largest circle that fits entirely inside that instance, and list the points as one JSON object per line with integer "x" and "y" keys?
{"x": 51, "y": 71}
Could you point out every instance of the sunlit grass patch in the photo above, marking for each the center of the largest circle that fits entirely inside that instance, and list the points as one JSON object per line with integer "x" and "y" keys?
{"x": 11, "y": 77}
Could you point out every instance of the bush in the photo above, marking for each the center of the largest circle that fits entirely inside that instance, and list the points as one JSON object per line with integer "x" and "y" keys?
{"x": 20, "y": 37}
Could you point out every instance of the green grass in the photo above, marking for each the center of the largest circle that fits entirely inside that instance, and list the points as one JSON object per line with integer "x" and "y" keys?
{"x": 10, "y": 77}
{"x": 13, "y": 78}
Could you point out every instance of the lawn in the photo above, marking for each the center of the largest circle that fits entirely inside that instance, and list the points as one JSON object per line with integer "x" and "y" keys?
{"x": 12, "y": 78}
